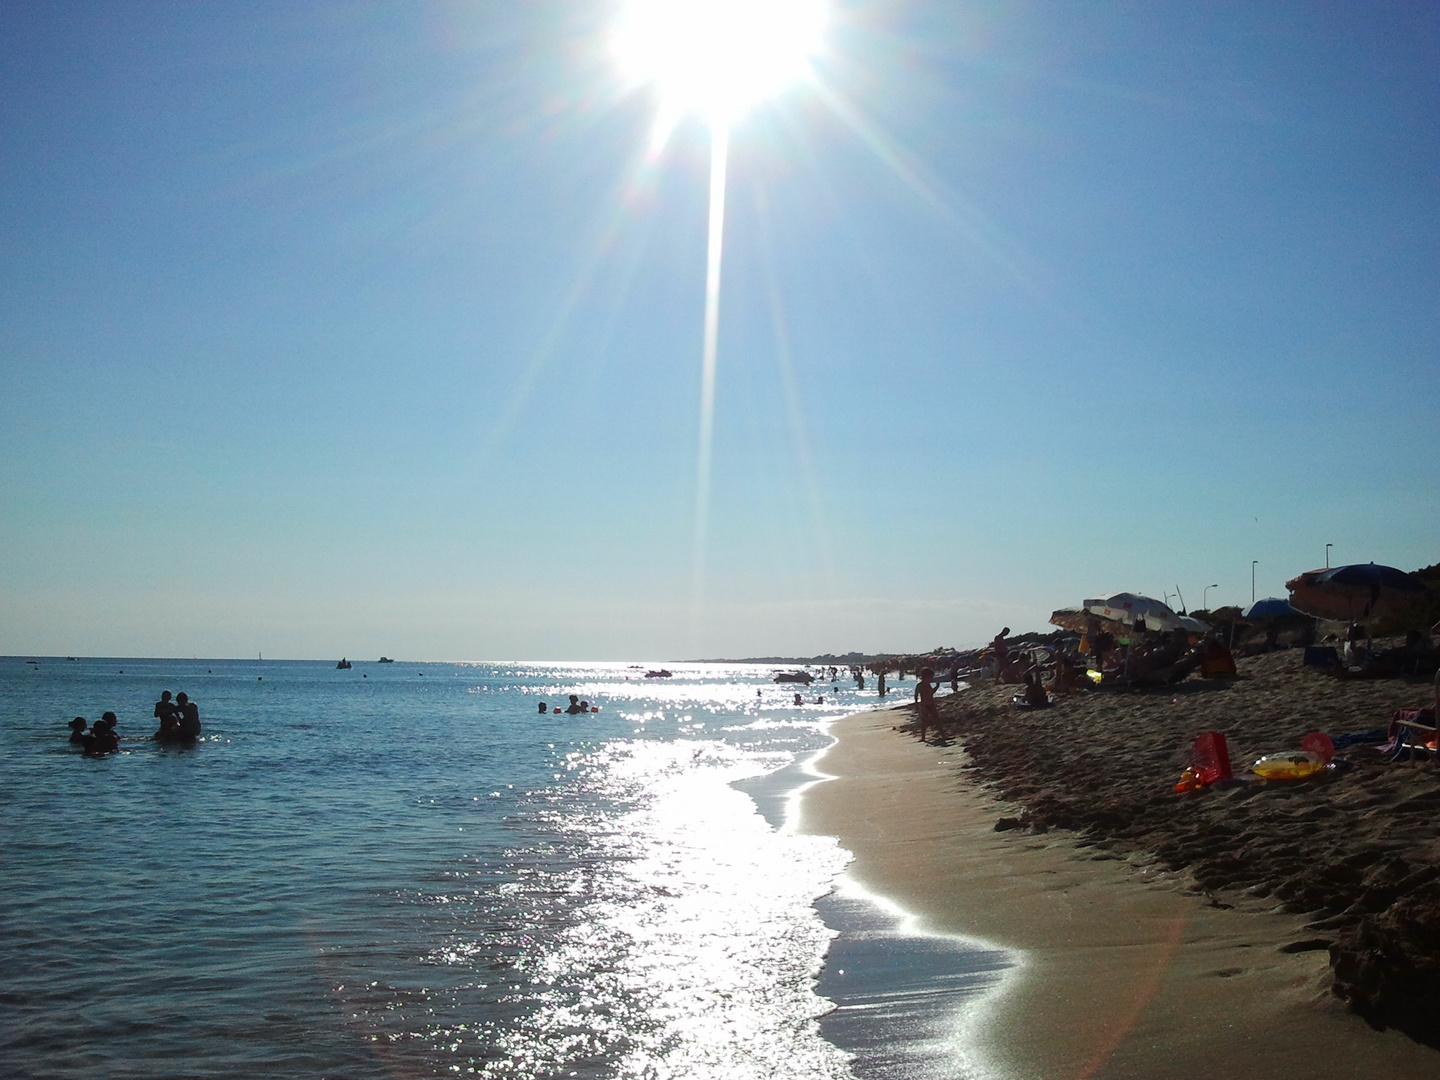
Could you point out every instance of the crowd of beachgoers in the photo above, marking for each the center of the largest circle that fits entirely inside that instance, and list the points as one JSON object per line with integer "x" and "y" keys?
{"x": 179, "y": 719}
{"x": 1295, "y": 766}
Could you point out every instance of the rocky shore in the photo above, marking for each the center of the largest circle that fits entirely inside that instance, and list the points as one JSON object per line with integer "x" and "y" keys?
{"x": 1357, "y": 849}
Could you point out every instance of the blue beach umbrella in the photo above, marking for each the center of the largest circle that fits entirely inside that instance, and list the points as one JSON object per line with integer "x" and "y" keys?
{"x": 1272, "y": 607}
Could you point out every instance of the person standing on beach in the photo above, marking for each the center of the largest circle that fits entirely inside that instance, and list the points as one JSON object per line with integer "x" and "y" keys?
{"x": 925, "y": 695}
{"x": 1001, "y": 652}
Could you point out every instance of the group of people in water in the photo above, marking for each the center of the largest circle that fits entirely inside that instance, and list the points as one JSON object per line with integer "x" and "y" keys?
{"x": 179, "y": 723}
{"x": 179, "y": 719}
{"x": 576, "y": 706}
{"x": 100, "y": 739}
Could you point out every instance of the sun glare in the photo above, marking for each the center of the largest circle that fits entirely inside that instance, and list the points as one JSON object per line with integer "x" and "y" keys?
{"x": 718, "y": 57}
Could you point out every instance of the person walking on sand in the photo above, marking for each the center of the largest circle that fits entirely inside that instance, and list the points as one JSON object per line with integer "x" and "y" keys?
{"x": 925, "y": 695}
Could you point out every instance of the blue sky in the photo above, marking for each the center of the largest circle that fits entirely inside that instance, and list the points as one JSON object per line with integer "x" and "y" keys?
{"x": 368, "y": 328}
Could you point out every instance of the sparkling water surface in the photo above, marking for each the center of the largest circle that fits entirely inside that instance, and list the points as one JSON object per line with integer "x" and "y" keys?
{"x": 403, "y": 870}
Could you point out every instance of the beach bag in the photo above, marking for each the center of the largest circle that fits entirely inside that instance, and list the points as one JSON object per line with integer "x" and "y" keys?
{"x": 1218, "y": 662}
{"x": 1210, "y": 757}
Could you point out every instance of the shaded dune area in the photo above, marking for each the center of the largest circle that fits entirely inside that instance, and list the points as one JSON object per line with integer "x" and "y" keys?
{"x": 1357, "y": 850}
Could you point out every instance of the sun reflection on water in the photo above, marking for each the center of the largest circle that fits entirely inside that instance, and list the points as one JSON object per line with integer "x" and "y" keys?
{"x": 682, "y": 944}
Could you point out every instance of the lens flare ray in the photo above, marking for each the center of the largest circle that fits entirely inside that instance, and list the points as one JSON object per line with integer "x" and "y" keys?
{"x": 719, "y": 155}
{"x": 716, "y": 59}
{"x": 979, "y": 230}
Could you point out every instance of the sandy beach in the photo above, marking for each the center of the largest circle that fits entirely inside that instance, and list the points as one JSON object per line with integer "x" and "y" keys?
{"x": 1157, "y": 934}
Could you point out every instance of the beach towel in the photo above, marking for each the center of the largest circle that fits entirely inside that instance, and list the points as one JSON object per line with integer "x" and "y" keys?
{"x": 1355, "y": 738}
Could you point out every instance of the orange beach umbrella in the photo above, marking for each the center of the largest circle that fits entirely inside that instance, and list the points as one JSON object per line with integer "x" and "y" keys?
{"x": 1360, "y": 592}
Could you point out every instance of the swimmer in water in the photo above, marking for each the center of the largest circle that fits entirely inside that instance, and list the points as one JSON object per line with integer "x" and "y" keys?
{"x": 543, "y": 707}
{"x": 169, "y": 717}
{"x": 102, "y": 738}
{"x": 189, "y": 718}
{"x": 574, "y": 705}
{"x": 77, "y": 731}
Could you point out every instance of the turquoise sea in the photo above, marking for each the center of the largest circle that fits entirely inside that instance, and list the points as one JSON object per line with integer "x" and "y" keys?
{"x": 403, "y": 870}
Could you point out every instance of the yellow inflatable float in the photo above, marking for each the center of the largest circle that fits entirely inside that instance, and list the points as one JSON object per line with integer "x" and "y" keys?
{"x": 1296, "y": 766}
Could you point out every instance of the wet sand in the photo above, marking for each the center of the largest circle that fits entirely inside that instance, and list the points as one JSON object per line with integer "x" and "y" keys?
{"x": 1129, "y": 966}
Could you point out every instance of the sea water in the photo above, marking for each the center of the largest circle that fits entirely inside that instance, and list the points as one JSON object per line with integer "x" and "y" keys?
{"x": 405, "y": 870}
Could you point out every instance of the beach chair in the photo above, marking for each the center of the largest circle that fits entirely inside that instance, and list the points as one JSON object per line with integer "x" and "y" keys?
{"x": 1412, "y": 735}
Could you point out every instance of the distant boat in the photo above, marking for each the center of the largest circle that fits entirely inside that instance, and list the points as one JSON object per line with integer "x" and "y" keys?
{"x": 661, "y": 674}
{"x": 794, "y": 676}
{"x": 344, "y": 665}
{"x": 385, "y": 660}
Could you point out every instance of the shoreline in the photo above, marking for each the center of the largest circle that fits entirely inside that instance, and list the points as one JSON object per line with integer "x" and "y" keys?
{"x": 1125, "y": 969}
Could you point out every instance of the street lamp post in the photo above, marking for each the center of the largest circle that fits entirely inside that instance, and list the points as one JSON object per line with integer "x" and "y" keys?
{"x": 1205, "y": 596}
{"x": 1253, "y": 563}
{"x": 1327, "y": 555}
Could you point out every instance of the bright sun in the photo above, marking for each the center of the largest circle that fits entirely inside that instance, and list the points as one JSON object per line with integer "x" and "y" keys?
{"x": 718, "y": 57}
